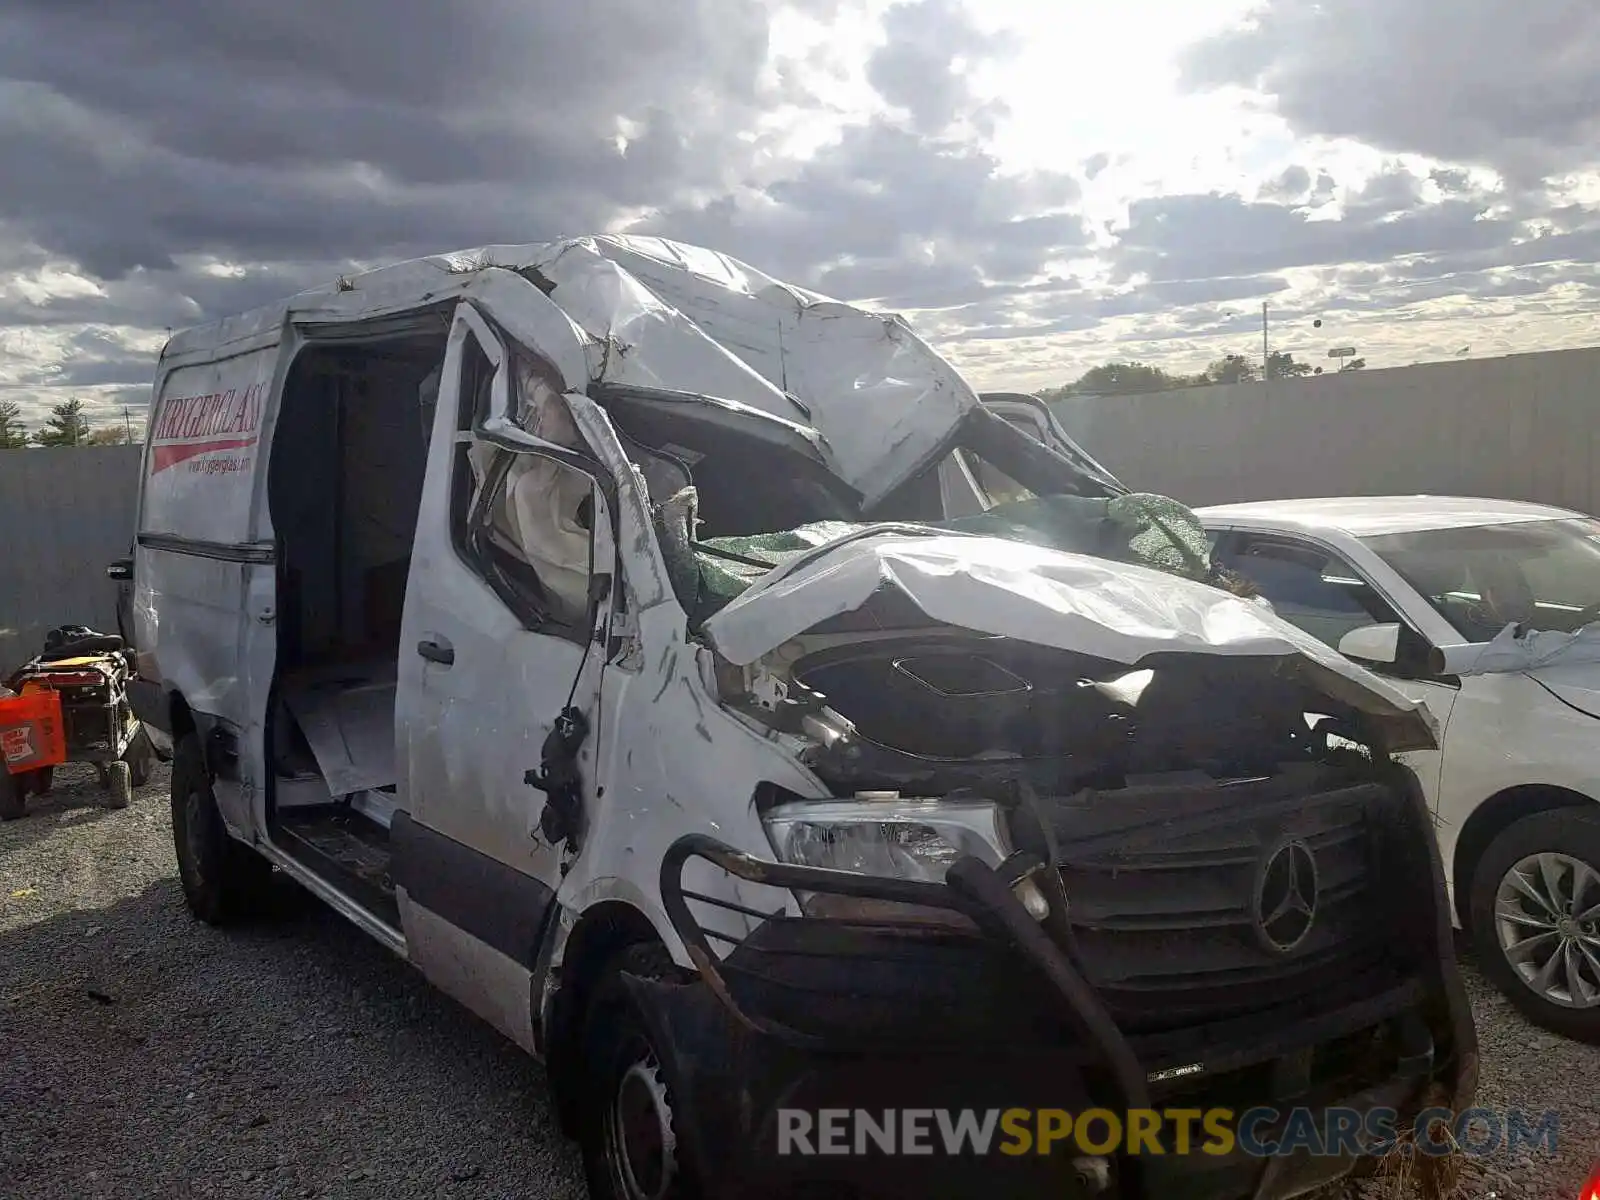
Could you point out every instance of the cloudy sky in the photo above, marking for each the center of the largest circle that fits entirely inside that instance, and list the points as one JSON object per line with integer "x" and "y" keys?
{"x": 1039, "y": 185}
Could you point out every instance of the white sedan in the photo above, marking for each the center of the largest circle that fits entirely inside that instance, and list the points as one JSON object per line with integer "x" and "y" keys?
{"x": 1475, "y": 607}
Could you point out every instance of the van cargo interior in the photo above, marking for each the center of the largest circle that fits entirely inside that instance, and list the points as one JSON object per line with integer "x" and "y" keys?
{"x": 344, "y": 487}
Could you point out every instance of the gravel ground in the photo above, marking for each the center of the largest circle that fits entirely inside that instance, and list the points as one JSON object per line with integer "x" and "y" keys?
{"x": 143, "y": 1054}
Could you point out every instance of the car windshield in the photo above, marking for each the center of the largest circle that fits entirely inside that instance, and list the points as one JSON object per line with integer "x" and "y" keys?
{"x": 1543, "y": 574}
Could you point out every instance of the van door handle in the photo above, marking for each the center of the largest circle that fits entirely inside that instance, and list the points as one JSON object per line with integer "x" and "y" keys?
{"x": 440, "y": 652}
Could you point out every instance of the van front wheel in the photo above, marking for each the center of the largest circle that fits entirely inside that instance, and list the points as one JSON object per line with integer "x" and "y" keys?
{"x": 627, "y": 1123}
{"x": 223, "y": 879}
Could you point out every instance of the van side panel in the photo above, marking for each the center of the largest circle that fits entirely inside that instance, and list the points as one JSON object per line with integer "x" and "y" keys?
{"x": 200, "y": 580}
{"x": 202, "y": 450}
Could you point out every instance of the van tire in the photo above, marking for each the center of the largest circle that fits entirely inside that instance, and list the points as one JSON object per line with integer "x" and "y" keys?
{"x": 223, "y": 879}
{"x": 620, "y": 1061}
{"x": 13, "y": 796}
{"x": 1568, "y": 834}
{"x": 119, "y": 784}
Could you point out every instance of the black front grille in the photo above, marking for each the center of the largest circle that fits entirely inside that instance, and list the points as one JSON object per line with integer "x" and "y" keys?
{"x": 1165, "y": 917}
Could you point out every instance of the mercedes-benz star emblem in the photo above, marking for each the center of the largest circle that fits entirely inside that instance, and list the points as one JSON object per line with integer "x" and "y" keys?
{"x": 1286, "y": 897}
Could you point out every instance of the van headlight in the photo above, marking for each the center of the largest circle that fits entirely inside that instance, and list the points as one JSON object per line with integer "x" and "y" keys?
{"x": 890, "y": 838}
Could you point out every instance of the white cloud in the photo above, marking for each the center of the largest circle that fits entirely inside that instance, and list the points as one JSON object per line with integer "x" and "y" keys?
{"x": 1040, "y": 186}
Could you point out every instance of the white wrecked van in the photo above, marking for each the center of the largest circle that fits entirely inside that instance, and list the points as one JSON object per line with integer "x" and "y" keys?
{"x": 639, "y": 647}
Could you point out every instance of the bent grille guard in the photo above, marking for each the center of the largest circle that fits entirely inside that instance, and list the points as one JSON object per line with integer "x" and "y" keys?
{"x": 973, "y": 889}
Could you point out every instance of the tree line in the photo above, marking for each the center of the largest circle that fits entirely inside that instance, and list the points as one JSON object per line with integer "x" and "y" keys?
{"x": 67, "y": 425}
{"x": 1136, "y": 378}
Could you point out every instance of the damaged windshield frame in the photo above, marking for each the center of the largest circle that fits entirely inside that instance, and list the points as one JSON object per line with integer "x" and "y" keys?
{"x": 1040, "y": 468}
{"x": 1050, "y": 432}
{"x": 702, "y": 415}
{"x": 1002, "y": 446}
{"x": 642, "y": 414}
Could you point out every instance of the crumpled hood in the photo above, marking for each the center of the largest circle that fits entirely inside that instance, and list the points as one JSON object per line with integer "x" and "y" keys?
{"x": 1049, "y": 598}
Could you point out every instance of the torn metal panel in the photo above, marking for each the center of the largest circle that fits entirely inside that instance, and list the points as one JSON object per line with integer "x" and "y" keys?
{"x": 640, "y": 338}
{"x": 1516, "y": 648}
{"x": 1567, "y": 665}
{"x": 378, "y": 807}
{"x": 347, "y": 715}
{"x": 884, "y": 399}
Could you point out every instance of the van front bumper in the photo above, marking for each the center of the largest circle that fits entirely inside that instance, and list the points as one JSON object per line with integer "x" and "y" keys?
{"x": 842, "y": 1020}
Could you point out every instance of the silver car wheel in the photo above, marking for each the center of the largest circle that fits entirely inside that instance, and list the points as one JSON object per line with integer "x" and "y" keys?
{"x": 1547, "y": 921}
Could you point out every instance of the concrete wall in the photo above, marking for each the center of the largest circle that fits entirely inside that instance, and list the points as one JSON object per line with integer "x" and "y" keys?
{"x": 1517, "y": 428}
{"x": 1521, "y": 427}
{"x": 64, "y": 515}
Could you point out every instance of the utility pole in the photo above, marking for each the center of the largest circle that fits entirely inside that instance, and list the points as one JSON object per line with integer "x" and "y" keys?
{"x": 127, "y": 424}
{"x": 1266, "y": 354}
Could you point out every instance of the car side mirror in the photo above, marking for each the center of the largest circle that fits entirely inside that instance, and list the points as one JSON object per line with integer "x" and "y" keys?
{"x": 121, "y": 570}
{"x": 1372, "y": 643}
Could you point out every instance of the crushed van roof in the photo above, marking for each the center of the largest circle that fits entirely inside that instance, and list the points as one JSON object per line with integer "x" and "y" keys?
{"x": 667, "y": 314}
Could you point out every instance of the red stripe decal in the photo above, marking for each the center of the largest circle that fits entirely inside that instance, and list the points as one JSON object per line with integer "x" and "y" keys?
{"x": 172, "y": 454}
